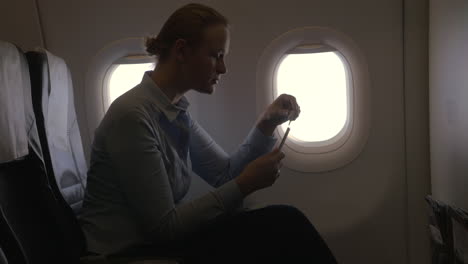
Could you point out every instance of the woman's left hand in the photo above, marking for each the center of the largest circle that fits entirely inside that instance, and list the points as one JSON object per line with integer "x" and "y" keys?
{"x": 284, "y": 108}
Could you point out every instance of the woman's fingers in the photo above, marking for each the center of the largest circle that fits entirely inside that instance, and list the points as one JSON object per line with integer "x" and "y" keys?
{"x": 289, "y": 103}
{"x": 277, "y": 155}
{"x": 297, "y": 109}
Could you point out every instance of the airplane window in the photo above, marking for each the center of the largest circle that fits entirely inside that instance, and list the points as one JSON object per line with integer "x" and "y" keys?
{"x": 124, "y": 77}
{"x": 319, "y": 83}
{"x": 328, "y": 74}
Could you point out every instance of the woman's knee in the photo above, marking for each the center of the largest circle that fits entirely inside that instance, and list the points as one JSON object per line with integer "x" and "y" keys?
{"x": 289, "y": 219}
{"x": 285, "y": 212}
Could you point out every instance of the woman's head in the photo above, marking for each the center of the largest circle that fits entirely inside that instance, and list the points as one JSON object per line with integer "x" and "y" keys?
{"x": 195, "y": 38}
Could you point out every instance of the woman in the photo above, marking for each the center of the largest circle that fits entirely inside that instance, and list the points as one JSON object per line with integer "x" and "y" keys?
{"x": 147, "y": 146}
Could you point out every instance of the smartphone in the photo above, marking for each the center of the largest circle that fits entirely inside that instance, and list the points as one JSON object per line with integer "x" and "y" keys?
{"x": 284, "y": 138}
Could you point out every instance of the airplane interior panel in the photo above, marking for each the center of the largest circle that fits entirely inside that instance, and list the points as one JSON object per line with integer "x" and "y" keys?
{"x": 304, "y": 131}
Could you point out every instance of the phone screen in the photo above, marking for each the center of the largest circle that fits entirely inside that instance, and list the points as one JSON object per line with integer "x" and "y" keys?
{"x": 284, "y": 138}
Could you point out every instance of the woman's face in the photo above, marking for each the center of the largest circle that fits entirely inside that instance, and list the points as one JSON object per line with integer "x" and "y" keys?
{"x": 205, "y": 64}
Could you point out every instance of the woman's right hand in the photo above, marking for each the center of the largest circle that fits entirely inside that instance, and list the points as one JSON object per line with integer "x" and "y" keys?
{"x": 260, "y": 173}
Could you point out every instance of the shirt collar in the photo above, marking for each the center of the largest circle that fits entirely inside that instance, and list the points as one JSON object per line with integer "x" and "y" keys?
{"x": 159, "y": 98}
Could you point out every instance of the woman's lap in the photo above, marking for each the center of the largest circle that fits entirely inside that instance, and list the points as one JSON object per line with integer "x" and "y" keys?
{"x": 275, "y": 233}
{"x": 271, "y": 233}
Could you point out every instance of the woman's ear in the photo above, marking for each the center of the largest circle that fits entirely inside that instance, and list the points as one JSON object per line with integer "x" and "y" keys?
{"x": 180, "y": 50}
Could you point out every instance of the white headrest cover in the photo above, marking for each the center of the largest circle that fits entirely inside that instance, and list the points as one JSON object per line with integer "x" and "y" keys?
{"x": 57, "y": 112}
{"x": 13, "y": 134}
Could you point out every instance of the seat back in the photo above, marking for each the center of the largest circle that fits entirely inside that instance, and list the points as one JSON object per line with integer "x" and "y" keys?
{"x": 440, "y": 228}
{"x": 40, "y": 226}
{"x": 60, "y": 165}
{"x": 459, "y": 222}
{"x": 53, "y": 102}
{"x": 26, "y": 202}
{"x": 9, "y": 243}
{"x": 3, "y": 259}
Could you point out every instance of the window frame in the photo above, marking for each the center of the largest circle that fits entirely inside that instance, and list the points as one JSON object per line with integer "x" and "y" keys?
{"x": 96, "y": 73}
{"x": 342, "y": 136}
{"x": 128, "y": 59}
{"x": 349, "y": 142}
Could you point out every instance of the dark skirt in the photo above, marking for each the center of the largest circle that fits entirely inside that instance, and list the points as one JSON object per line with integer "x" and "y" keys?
{"x": 272, "y": 234}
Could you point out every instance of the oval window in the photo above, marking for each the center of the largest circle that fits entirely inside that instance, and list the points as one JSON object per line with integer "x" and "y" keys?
{"x": 318, "y": 80}
{"x": 327, "y": 74}
{"x": 125, "y": 74}
{"x": 124, "y": 77}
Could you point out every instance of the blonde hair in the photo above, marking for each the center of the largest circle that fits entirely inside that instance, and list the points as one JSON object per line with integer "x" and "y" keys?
{"x": 187, "y": 22}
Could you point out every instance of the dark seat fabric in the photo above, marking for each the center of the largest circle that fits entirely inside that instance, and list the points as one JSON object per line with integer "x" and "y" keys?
{"x": 3, "y": 259}
{"x": 37, "y": 222}
{"x": 9, "y": 243}
{"x": 440, "y": 231}
{"x": 53, "y": 102}
{"x": 459, "y": 219}
{"x": 30, "y": 213}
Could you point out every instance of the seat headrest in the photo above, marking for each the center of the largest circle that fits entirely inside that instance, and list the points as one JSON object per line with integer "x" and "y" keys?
{"x": 14, "y": 76}
{"x": 60, "y": 84}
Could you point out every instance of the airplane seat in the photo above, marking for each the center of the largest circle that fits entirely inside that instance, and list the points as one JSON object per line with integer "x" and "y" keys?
{"x": 30, "y": 212}
{"x": 3, "y": 259}
{"x": 53, "y": 103}
{"x": 440, "y": 231}
{"x": 9, "y": 243}
{"x": 448, "y": 232}
{"x": 459, "y": 219}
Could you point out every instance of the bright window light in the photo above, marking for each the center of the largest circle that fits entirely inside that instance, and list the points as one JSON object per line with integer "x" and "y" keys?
{"x": 126, "y": 76}
{"x": 319, "y": 83}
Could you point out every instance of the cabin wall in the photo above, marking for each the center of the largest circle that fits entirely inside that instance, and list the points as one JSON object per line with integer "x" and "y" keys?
{"x": 448, "y": 79}
{"x": 371, "y": 211}
{"x": 19, "y": 23}
{"x": 416, "y": 29}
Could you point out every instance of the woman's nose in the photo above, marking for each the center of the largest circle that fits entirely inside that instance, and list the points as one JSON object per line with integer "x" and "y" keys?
{"x": 221, "y": 67}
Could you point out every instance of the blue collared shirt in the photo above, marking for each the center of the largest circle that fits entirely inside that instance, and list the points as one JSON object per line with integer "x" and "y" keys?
{"x": 140, "y": 173}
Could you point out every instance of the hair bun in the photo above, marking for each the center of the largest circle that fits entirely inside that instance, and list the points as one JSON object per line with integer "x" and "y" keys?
{"x": 187, "y": 22}
{"x": 152, "y": 46}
